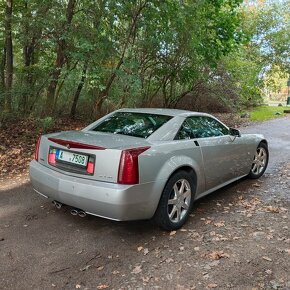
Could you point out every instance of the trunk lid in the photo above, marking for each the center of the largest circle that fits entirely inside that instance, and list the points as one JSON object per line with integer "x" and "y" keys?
{"x": 103, "y": 148}
{"x": 105, "y": 140}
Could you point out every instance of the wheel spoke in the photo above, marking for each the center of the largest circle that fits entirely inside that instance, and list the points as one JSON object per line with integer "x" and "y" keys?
{"x": 176, "y": 191}
{"x": 186, "y": 194}
{"x": 171, "y": 215}
{"x": 254, "y": 167}
{"x": 178, "y": 214}
{"x": 172, "y": 201}
{"x": 181, "y": 190}
{"x": 185, "y": 206}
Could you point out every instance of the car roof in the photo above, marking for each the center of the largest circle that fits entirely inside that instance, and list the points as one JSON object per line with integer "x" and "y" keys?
{"x": 161, "y": 111}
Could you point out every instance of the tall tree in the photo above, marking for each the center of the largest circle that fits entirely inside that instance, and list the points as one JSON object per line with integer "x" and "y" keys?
{"x": 78, "y": 91}
{"x": 60, "y": 57}
{"x": 8, "y": 54}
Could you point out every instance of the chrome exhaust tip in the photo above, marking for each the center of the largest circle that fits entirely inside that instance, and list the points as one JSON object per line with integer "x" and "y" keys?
{"x": 74, "y": 212}
{"x": 81, "y": 213}
{"x": 57, "y": 204}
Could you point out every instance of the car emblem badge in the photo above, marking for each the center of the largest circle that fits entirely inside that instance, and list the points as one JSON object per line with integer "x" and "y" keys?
{"x": 67, "y": 146}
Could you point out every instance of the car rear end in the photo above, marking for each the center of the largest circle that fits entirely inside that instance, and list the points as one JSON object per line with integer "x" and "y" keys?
{"x": 99, "y": 181}
{"x": 96, "y": 173}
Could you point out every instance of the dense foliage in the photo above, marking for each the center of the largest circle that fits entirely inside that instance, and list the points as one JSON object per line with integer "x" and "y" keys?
{"x": 84, "y": 57}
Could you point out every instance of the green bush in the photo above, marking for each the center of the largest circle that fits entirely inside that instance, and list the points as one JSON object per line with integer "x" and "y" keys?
{"x": 46, "y": 123}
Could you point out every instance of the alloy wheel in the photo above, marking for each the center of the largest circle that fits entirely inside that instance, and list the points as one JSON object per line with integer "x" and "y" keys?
{"x": 179, "y": 200}
{"x": 260, "y": 160}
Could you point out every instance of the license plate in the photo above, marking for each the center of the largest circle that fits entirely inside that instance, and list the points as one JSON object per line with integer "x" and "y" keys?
{"x": 71, "y": 157}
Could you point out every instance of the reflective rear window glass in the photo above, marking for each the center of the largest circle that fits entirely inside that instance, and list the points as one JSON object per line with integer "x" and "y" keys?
{"x": 133, "y": 124}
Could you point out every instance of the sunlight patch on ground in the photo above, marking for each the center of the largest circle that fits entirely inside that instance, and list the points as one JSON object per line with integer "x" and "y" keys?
{"x": 11, "y": 183}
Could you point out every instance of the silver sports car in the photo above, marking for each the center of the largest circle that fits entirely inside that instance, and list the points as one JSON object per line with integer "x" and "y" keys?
{"x": 144, "y": 163}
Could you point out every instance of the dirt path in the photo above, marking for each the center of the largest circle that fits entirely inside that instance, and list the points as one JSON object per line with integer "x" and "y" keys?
{"x": 236, "y": 238}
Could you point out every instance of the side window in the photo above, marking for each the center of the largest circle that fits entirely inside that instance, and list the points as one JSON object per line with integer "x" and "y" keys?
{"x": 201, "y": 127}
{"x": 214, "y": 128}
{"x": 184, "y": 132}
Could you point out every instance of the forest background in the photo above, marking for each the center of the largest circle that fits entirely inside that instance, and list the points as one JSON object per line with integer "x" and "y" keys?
{"x": 83, "y": 58}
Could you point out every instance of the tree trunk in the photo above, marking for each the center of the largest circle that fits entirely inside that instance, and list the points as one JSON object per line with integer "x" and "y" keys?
{"x": 60, "y": 61}
{"x": 131, "y": 33}
{"x": 78, "y": 92}
{"x": 9, "y": 55}
{"x": 2, "y": 78}
{"x": 28, "y": 55}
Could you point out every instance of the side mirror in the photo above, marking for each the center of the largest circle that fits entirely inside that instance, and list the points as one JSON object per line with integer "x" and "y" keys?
{"x": 235, "y": 132}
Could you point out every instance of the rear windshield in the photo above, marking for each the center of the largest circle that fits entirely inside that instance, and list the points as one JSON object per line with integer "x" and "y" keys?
{"x": 133, "y": 124}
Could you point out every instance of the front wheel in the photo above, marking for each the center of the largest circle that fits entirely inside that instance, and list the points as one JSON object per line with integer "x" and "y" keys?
{"x": 176, "y": 201}
{"x": 260, "y": 161}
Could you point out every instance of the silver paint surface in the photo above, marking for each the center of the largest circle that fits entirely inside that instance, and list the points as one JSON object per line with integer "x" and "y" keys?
{"x": 217, "y": 161}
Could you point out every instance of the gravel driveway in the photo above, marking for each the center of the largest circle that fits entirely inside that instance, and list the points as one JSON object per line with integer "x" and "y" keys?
{"x": 236, "y": 238}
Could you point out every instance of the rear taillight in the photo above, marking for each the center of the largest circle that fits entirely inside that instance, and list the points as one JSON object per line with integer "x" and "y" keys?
{"x": 36, "y": 155}
{"x": 52, "y": 157}
{"x": 129, "y": 167}
{"x": 91, "y": 166}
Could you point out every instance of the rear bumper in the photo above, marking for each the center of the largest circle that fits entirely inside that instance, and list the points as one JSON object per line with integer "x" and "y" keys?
{"x": 108, "y": 200}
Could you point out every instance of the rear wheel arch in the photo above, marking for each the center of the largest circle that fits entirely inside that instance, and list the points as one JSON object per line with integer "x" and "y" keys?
{"x": 187, "y": 169}
{"x": 264, "y": 141}
{"x": 161, "y": 216}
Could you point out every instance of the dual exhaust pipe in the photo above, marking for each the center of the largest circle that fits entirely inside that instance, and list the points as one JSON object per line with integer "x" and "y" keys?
{"x": 74, "y": 211}
{"x": 78, "y": 212}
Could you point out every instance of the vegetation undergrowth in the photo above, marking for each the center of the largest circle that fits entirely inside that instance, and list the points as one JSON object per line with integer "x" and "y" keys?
{"x": 267, "y": 113}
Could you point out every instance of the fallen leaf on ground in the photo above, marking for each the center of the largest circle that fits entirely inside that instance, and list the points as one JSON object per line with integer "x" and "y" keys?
{"x": 220, "y": 224}
{"x": 102, "y": 287}
{"x": 78, "y": 286}
{"x": 216, "y": 255}
{"x": 145, "y": 279}
{"x": 273, "y": 209}
{"x": 137, "y": 270}
{"x": 172, "y": 233}
{"x": 140, "y": 248}
{"x": 212, "y": 285}
{"x": 85, "y": 268}
{"x": 267, "y": 259}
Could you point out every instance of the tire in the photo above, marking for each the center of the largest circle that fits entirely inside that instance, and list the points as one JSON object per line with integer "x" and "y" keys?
{"x": 260, "y": 161}
{"x": 176, "y": 201}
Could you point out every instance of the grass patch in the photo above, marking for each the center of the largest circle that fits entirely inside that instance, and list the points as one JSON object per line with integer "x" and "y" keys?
{"x": 267, "y": 112}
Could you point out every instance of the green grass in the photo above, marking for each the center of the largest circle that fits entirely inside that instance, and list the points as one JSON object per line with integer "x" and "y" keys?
{"x": 267, "y": 112}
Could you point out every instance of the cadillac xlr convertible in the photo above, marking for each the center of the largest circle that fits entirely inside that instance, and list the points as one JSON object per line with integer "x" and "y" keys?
{"x": 144, "y": 163}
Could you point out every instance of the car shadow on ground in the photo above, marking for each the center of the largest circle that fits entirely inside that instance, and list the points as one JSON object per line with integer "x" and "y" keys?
{"x": 23, "y": 201}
